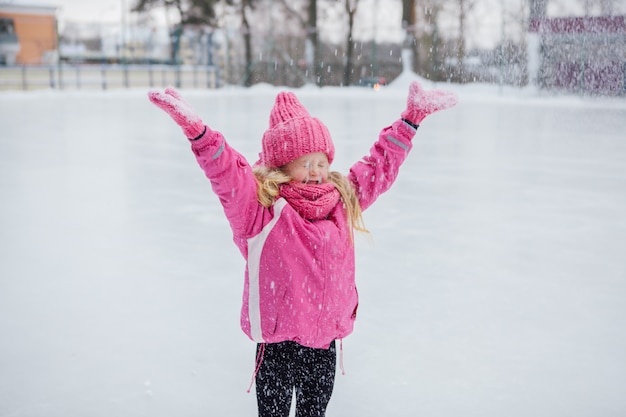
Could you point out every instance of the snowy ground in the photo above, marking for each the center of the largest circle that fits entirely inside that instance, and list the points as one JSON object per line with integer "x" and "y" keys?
{"x": 494, "y": 283}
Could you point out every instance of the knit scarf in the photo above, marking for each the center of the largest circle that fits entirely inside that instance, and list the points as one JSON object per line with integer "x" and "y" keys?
{"x": 312, "y": 202}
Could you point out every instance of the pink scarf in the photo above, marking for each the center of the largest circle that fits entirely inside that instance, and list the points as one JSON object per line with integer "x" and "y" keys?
{"x": 312, "y": 202}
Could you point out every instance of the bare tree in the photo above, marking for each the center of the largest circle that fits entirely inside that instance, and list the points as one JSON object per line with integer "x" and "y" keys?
{"x": 245, "y": 7}
{"x": 312, "y": 34}
{"x": 538, "y": 8}
{"x": 313, "y": 38}
{"x": 351, "y": 9}
{"x": 465, "y": 8}
{"x": 191, "y": 12}
{"x": 408, "y": 14}
{"x": 202, "y": 12}
{"x": 409, "y": 24}
{"x": 429, "y": 39}
{"x": 421, "y": 20}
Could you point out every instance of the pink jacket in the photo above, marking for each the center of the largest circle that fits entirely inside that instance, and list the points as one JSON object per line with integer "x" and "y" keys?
{"x": 299, "y": 278}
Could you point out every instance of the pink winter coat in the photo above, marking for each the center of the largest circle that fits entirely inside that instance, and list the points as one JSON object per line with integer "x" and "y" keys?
{"x": 299, "y": 278}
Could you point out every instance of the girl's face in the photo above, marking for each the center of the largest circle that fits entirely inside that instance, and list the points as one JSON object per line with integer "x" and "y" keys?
{"x": 311, "y": 168}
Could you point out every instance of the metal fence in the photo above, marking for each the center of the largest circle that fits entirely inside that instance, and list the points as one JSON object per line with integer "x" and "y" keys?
{"x": 106, "y": 77}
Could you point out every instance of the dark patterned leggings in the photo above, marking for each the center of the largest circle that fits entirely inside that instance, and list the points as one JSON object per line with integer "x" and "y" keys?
{"x": 287, "y": 366}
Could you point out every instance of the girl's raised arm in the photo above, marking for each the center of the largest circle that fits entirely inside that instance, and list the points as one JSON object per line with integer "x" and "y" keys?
{"x": 376, "y": 172}
{"x": 230, "y": 174}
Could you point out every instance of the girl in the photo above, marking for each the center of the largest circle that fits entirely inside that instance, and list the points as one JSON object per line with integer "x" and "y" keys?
{"x": 293, "y": 220}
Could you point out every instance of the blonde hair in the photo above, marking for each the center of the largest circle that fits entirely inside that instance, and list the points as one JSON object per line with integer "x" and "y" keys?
{"x": 269, "y": 181}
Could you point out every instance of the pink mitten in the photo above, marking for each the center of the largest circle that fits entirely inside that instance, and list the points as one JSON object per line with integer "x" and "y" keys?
{"x": 179, "y": 110}
{"x": 420, "y": 103}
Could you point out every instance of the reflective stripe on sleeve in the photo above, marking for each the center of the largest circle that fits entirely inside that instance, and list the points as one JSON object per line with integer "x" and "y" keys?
{"x": 219, "y": 151}
{"x": 397, "y": 142}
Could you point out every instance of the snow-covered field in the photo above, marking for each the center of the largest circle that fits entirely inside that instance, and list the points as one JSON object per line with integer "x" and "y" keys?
{"x": 494, "y": 282}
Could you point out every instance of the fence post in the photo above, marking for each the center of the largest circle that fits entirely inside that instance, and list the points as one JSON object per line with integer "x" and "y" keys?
{"x": 60, "y": 73}
{"x": 125, "y": 75}
{"x": 51, "y": 73}
{"x": 24, "y": 82}
{"x": 104, "y": 77}
{"x": 210, "y": 77}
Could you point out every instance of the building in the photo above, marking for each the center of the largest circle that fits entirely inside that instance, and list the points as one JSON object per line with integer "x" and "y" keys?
{"x": 578, "y": 54}
{"x": 28, "y": 34}
{"x": 9, "y": 45}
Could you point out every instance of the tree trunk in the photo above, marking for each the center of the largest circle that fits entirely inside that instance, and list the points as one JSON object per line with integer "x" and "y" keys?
{"x": 461, "y": 45}
{"x": 247, "y": 39}
{"x": 347, "y": 74}
{"x": 538, "y": 8}
{"x": 314, "y": 40}
{"x": 409, "y": 21}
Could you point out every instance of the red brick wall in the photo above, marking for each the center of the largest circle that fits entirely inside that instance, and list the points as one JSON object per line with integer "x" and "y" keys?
{"x": 36, "y": 35}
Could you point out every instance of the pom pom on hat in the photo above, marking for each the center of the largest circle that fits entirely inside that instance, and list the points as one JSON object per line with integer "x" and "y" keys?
{"x": 293, "y": 133}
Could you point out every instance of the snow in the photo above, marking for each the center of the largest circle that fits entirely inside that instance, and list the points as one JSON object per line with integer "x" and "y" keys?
{"x": 493, "y": 283}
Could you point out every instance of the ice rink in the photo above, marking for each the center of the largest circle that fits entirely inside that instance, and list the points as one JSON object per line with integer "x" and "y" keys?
{"x": 493, "y": 283}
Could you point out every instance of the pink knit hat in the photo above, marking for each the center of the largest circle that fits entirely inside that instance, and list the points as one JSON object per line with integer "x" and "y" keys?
{"x": 293, "y": 133}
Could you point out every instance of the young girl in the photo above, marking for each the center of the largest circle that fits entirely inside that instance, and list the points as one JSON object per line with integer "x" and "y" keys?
{"x": 293, "y": 220}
